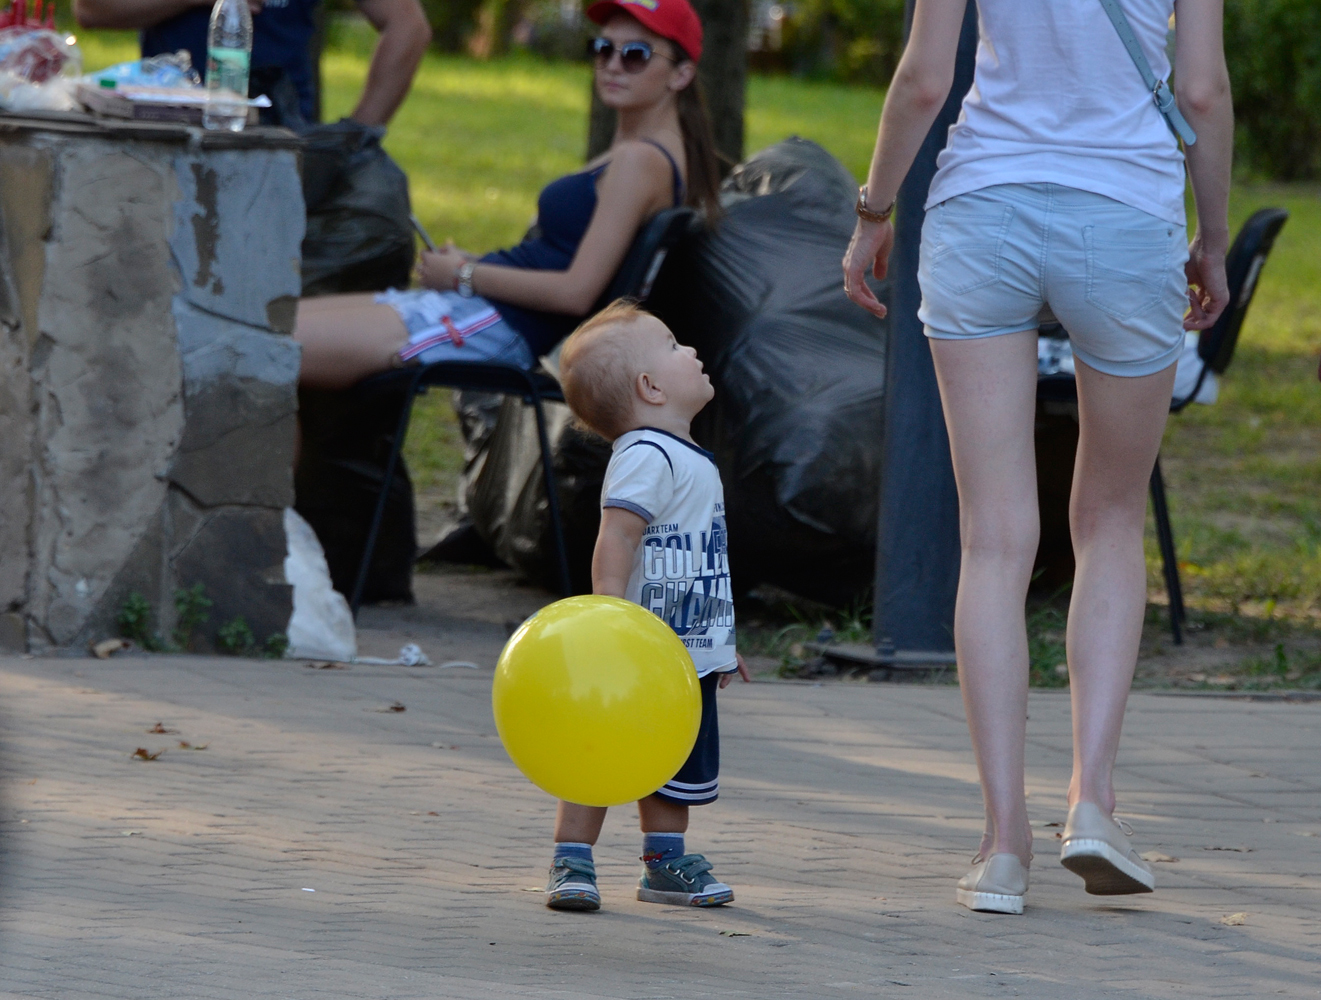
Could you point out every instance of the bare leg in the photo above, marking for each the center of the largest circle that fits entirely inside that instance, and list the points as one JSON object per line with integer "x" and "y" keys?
{"x": 988, "y": 390}
{"x": 657, "y": 815}
{"x": 332, "y": 303}
{"x": 575, "y": 824}
{"x": 345, "y": 338}
{"x": 1121, "y": 424}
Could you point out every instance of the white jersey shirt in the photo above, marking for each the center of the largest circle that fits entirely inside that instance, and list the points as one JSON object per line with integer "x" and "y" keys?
{"x": 681, "y": 571}
{"x": 1056, "y": 99}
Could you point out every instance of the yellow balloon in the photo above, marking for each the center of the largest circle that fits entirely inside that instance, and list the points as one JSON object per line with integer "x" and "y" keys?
{"x": 596, "y": 700}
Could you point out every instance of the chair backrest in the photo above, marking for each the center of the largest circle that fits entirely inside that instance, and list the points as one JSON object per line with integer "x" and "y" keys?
{"x": 658, "y": 236}
{"x": 1242, "y": 267}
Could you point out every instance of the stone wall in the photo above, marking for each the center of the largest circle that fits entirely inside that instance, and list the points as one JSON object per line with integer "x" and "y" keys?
{"x": 148, "y": 284}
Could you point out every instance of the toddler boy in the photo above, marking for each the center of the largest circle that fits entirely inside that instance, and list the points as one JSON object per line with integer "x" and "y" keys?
{"x": 662, "y": 545}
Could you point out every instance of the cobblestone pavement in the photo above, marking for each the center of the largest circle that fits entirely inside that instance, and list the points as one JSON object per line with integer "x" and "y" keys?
{"x": 848, "y": 812}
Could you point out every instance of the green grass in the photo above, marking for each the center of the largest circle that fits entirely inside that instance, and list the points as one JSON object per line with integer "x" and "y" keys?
{"x": 479, "y": 140}
{"x": 1244, "y": 473}
{"x": 106, "y": 48}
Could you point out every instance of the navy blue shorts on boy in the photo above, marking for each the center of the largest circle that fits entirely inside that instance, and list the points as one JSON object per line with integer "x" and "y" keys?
{"x": 698, "y": 781}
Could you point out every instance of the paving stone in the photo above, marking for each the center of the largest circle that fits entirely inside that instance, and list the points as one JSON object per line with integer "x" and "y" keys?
{"x": 847, "y": 812}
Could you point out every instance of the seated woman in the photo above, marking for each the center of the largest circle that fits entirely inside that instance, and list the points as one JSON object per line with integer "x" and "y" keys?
{"x": 514, "y": 305}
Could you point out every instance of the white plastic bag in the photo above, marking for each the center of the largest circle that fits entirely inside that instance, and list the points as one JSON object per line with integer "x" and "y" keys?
{"x": 38, "y": 69}
{"x": 321, "y": 627}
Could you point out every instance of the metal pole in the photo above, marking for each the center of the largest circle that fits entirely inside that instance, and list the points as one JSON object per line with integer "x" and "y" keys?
{"x": 917, "y": 545}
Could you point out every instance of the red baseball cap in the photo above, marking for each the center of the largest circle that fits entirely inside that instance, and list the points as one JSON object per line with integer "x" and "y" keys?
{"x": 672, "y": 19}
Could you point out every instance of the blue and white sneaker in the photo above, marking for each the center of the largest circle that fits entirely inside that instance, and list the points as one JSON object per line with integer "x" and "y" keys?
{"x": 572, "y": 885}
{"x": 685, "y": 881}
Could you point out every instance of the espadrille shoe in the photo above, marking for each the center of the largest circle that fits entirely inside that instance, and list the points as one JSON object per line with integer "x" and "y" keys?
{"x": 995, "y": 884}
{"x": 1096, "y": 847}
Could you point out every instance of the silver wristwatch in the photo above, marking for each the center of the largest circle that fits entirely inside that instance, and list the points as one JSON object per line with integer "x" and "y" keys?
{"x": 463, "y": 284}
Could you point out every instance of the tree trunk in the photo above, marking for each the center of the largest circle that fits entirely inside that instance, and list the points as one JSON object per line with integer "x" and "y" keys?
{"x": 723, "y": 72}
{"x": 497, "y": 19}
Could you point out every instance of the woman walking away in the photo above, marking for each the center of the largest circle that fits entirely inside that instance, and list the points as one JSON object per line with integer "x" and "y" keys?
{"x": 1059, "y": 193}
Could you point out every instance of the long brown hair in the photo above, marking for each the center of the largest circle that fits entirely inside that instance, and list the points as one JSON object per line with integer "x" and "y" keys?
{"x": 699, "y": 146}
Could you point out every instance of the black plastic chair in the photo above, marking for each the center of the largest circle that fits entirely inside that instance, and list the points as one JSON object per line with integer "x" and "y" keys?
{"x": 1215, "y": 349}
{"x": 634, "y": 279}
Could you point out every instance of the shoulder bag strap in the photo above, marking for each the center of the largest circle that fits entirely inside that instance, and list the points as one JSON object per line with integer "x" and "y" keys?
{"x": 1160, "y": 90}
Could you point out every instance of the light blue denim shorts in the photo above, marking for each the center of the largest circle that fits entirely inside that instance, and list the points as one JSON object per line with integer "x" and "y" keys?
{"x": 1007, "y": 258}
{"x": 445, "y": 326}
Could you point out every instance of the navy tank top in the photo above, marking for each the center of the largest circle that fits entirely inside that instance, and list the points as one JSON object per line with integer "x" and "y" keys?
{"x": 564, "y": 211}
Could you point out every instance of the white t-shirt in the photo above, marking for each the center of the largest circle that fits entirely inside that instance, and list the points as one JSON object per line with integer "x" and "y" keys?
{"x": 681, "y": 571}
{"x": 1056, "y": 98}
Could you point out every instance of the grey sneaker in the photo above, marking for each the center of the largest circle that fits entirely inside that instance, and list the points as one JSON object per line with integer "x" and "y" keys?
{"x": 685, "y": 881}
{"x": 572, "y": 885}
{"x": 995, "y": 885}
{"x": 1096, "y": 847}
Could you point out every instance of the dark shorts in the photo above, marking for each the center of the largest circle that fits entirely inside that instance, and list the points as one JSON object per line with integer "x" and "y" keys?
{"x": 697, "y": 782}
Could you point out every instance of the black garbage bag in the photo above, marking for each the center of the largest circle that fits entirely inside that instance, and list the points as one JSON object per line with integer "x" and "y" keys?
{"x": 359, "y": 237}
{"x": 799, "y": 374}
{"x": 346, "y": 439}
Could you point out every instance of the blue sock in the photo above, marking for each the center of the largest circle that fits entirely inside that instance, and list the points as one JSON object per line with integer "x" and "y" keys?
{"x": 658, "y": 848}
{"x": 572, "y": 850}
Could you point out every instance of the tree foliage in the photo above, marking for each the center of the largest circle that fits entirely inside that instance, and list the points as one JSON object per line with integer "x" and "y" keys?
{"x": 1274, "y": 53}
{"x": 852, "y": 41}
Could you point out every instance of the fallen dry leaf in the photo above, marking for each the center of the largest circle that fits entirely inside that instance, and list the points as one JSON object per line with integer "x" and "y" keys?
{"x": 433, "y": 813}
{"x": 142, "y": 753}
{"x": 1234, "y": 919}
{"x": 185, "y": 745}
{"x": 160, "y": 728}
{"x": 102, "y": 650}
{"x": 1157, "y": 856}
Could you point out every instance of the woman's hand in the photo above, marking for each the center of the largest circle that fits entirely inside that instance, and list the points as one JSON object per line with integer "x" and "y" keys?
{"x": 439, "y": 269}
{"x": 868, "y": 250}
{"x": 1208, "y": 288}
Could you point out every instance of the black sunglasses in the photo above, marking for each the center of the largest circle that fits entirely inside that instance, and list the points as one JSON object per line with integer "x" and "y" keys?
{"x": 633, "y": 56}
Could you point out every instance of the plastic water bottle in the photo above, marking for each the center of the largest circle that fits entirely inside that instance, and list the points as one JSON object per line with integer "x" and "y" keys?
{"x": 228, "y": 55}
